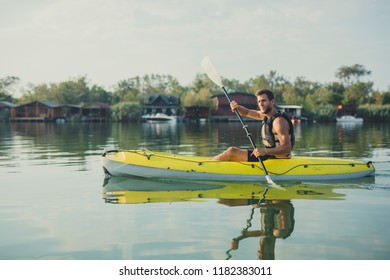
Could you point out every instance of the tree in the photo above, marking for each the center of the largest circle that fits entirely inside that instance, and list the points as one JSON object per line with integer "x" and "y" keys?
{"x": 290, "y": 95}
{"x": 259, "y": 82}
{"x": 202, "y": 81}
{"x": 36, "y": 92}
{"x": 386, "y": 98}
{"x": 97, "y": 93}
{"x": 138, "y": 89}
{"x": 74, "y": 91}
{"x": 128, "y": 91}
{"x": 5, "y": 86}
{"x": 357, "y": 94}
{"x": 321, "y": 96}
{"x": 352, "y": 74}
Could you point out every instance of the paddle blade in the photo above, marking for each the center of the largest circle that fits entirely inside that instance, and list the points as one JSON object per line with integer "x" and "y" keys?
{"x": 211, "y": 72}
{"x": 273, "y": 184}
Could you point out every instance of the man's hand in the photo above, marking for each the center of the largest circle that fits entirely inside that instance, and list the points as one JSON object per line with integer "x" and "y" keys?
{"x": 233, "y": 105}
{"x": 259, "y": 152}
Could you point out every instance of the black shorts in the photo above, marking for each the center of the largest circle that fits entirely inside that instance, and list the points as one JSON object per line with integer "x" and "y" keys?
{"x": 252, "y": 158}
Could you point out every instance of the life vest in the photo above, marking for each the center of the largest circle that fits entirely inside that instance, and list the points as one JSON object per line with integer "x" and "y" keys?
{"x": 269, "y": 139}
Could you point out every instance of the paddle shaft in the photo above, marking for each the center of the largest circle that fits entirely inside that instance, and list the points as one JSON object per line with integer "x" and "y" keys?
{"x": 245, "y": 127}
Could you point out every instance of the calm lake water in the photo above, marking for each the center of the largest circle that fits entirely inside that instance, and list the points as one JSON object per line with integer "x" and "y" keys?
{"x": 55, "y": 202}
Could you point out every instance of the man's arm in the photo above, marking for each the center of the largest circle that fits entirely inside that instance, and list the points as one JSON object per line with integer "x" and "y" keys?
{"x": 281, "y": 128}
{"x": 254, "y": 114}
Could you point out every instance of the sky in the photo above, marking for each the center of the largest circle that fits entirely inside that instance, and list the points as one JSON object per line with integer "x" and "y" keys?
{"x": 50, "y": 41}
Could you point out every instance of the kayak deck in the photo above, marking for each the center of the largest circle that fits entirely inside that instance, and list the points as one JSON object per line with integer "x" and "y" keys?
{"x": 146, "y": 164}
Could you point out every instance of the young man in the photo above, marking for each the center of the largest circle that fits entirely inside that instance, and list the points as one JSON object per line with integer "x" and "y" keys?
{"x": 277, "y": 131}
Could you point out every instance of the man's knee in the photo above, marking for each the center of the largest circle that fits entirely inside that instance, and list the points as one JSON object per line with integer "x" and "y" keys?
{"x": 232, "y": 150}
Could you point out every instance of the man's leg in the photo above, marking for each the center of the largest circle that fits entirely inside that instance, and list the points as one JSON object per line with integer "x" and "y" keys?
{"x": 232, "y": 154}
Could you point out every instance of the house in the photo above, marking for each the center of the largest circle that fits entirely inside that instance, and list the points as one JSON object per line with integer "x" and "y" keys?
{"x": 293, "y": 111}
{"x": 223, "y": 111}
{"x": 165, "y": 104}
{"x": 95, "y": 112}
{"x": 197, "y": 112}
{"x": 5, "y": 109}
{"x": 68, "y": 111}
{"x": 41, "y": 110}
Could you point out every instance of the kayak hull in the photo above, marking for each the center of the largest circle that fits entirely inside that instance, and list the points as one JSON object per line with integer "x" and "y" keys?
{"x": 146, "y": 164}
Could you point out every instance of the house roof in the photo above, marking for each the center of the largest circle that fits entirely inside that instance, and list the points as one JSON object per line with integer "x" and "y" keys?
{"x": 289, "y": 106}
{"x": 96, "y": 105}
{"x": 44, "y": 102}
{"x": 169, "y": 100}
{"x": 7, "y": 104}
{"x": 71, "y": 105}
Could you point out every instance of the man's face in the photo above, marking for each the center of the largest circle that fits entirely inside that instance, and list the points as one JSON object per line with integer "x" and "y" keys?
{"x": 265, "y": 105}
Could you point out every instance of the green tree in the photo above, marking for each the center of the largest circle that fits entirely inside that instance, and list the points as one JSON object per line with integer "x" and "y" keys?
{"x": 36, "y": 92}
{"x": 357, "y": 94}
{"x": 5, "y": 88}
{"x": 126, "y": 111}
{"x": 128, "y": 91}
{"x": 202, "y": 81}
{"x": 97, "y": 93}
{"x": 352, "y": 74}
{"x": 202, "y": 98}
{"x": 386, "y": 98}
{"x": 71, "y": 92}
{"x": 233, "y": 85}
{"x": 138, "y": 89}
{"x": 259, "y": 82}
{"x": 290, "y": 95}
{"x": 321, "y": 97}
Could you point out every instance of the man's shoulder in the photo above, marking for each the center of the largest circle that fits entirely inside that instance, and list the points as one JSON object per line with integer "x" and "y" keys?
{"x": 281, "y": 121}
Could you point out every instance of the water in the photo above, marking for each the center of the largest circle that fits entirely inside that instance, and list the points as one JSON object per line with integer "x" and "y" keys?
{"x": 55, "y": 202}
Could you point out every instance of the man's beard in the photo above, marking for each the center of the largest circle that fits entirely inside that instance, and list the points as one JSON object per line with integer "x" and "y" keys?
{"x": 267, "y": 110}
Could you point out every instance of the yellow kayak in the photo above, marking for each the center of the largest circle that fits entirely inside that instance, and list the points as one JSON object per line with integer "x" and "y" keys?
{"x": 159, "y": 165}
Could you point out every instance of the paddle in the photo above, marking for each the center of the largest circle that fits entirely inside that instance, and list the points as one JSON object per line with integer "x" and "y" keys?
{"x": 212, "y": 73}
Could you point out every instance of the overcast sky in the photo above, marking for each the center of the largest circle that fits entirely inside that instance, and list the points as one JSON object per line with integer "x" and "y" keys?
{"x": 49, "y": 41}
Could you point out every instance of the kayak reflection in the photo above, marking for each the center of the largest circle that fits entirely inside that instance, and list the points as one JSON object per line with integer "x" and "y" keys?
{"x": 274, "y": 205}
{"x": 134, "y": 190}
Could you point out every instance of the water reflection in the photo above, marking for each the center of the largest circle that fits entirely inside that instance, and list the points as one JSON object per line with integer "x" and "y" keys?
{"x": 349, "y": 126}
{"x": 160, "y": 130}
{"x": 134, "y": 191}
{"x": 274, "y": 205}
{"x": 276, "y": 221}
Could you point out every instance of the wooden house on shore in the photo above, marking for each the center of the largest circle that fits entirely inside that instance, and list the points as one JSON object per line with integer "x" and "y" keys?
{"x": 163, "y": 104}
{"x": 164, "y": 107}
{"x": 197, "y": 113}
{"x": 5, "y": 110}
{"x": 41, "y": 110}
{"x": 95, "y": 112}
{"x": 223, "y": 111}
{"x": 47, "y": 111}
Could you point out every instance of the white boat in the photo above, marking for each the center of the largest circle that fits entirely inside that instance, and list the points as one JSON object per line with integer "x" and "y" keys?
{"x": 158, "y": 117}
{"x": 349, "y": 119}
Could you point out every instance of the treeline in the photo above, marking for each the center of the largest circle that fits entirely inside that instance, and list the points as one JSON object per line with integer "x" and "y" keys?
{"x": 352, "y": 88}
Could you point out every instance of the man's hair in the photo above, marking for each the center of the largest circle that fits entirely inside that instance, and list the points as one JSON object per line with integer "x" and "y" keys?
{"x": 267, "y": 92}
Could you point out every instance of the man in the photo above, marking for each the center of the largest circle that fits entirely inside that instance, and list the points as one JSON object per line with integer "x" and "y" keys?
{"x": 277, "y": 132}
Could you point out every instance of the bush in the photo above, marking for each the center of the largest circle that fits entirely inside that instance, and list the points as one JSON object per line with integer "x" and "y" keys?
{"x": 323, "y": 113}
{"x": 374, "y": 112}
{"x": 126, "y": 111}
